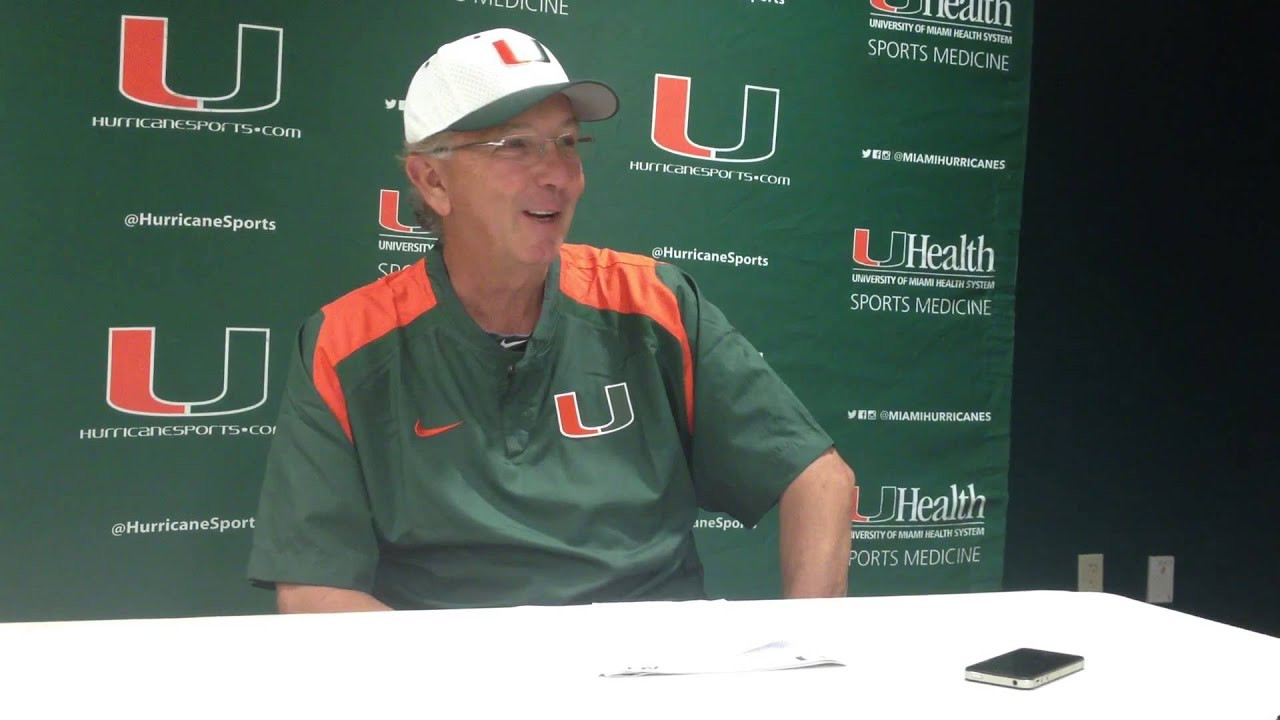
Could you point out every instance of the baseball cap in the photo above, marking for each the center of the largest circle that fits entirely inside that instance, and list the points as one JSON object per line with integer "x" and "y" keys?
{"x": 488, "y": 78}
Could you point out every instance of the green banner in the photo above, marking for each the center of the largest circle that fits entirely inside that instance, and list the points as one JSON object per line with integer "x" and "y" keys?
{"x": 185, "y": 182}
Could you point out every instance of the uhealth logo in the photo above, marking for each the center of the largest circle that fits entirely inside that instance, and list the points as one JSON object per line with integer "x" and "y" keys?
{"x": 389, "y": 214}
{"x": 396, "y": 236}
{"x": 959, "y": 505}
{"x": 916, "y": 251}
{"x": 144, "y": 77}
{"x": 986, "y": 12}
{"x": 131, "y": 360}
{"x": 670, "y": 130}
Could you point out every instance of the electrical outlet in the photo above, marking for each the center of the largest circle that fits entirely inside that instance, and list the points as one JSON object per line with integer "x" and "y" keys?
{"x": 1089, "y": 573}
{"x": 1160, "y": 579}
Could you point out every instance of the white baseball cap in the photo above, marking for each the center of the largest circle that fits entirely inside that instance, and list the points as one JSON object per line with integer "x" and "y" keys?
{"x": 486, "y": 79}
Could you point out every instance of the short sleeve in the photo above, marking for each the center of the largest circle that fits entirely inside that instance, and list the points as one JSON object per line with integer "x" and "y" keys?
{"x": 751, "y": 435}
{"x": 314, "y": 525}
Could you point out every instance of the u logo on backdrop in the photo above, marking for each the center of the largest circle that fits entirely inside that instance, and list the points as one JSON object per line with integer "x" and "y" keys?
{"x": 144, "y": 77}
{"x": 131, "y": 359}
{"x": 389, "y": 214}
{"x": 759, "y": 133}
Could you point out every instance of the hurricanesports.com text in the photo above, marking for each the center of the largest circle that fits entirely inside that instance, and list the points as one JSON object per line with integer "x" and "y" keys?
{"x": 213, "y": 524}
{"x": 920, "y": 416}
{"x": 217, "y": 126}
{"x": 149, "y": 431}
{"x": 225, "y": 222}
{"x": 666, "y": 252}
{"x": 960, "y": 161}
{"x": 711, "y": 172}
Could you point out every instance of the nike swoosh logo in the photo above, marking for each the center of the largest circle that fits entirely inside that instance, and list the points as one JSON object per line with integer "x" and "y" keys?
{"x": 508, "y": 344}
{"x": 428, "y": 432}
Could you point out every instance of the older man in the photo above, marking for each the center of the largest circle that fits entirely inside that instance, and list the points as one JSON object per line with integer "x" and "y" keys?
{"x": 516, "y": 420}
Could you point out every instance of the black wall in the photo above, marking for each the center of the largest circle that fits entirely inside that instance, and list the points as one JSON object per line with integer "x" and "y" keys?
{"x": 1145, "y": 357}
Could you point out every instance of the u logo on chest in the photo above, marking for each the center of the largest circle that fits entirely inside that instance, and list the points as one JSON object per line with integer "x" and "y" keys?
{"x": 620, "y": 413}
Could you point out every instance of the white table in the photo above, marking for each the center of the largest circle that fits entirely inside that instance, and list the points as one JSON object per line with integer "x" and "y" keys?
{"x": 905, "y": 658}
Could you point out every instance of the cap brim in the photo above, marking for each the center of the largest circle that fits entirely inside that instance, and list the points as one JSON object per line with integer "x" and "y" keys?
{"x": 591, "y": 101}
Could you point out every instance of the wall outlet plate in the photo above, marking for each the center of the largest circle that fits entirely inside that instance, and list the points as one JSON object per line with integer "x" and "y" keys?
{"x": 1089, "y": 573}
{"x": 1160, "y": 579}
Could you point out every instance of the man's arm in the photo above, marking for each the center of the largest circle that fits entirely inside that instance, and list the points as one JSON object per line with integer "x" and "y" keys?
{"x": 314, "y": 534}
{"x": 319, "y": 599}
{"x": 815, "y": 537}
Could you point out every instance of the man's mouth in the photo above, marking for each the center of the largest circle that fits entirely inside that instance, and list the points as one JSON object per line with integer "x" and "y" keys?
{"x": 544, "y": 216}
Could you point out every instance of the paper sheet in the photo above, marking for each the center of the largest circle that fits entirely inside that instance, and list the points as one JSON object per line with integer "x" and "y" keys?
{"x": 777, "y": 655}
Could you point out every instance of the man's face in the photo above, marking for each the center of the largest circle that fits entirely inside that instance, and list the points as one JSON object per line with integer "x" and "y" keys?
{"x": 510, "y": 211}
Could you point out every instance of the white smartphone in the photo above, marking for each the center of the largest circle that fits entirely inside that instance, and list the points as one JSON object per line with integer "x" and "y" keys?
{"x": 1024, "y": 668}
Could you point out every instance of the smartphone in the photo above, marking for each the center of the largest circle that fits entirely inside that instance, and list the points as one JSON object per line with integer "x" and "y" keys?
{"x": 1024, "y": 668}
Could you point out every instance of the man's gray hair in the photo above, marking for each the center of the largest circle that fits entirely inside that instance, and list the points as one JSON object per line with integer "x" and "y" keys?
{"x": 428, "y": 219}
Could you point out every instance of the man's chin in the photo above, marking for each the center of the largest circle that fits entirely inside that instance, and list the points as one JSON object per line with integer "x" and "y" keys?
{"x": 543, "y": 249}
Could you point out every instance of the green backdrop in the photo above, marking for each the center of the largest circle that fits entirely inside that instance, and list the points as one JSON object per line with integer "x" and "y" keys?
{"x": 184, "y": 182}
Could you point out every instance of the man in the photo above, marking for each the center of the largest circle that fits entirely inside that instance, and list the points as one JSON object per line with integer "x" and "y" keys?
{"x": 515, "y": 420}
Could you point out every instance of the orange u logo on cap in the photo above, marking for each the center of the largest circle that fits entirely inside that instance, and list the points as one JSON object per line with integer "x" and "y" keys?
{"x": 530, "y": 51}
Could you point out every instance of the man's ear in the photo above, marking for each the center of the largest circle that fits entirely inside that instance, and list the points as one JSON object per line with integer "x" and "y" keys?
{"x": 425, "y": 174}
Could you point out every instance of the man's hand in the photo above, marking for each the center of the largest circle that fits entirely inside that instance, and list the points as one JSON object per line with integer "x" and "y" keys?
{"x": 320, "y": 599}
{"x": 814, "y": 516}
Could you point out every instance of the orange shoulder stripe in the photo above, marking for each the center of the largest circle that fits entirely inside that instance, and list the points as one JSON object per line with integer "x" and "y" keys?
{"x": 626, "y": 283}
{"x": 360, "y": 317}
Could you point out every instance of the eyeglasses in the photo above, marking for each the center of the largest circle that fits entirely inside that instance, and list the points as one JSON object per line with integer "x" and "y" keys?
{"x": 526, "y": 148}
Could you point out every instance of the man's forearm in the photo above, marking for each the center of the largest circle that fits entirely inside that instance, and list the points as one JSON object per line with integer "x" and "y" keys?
{"x": 814, "y": 534}
{"x": 319, "y": 599}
